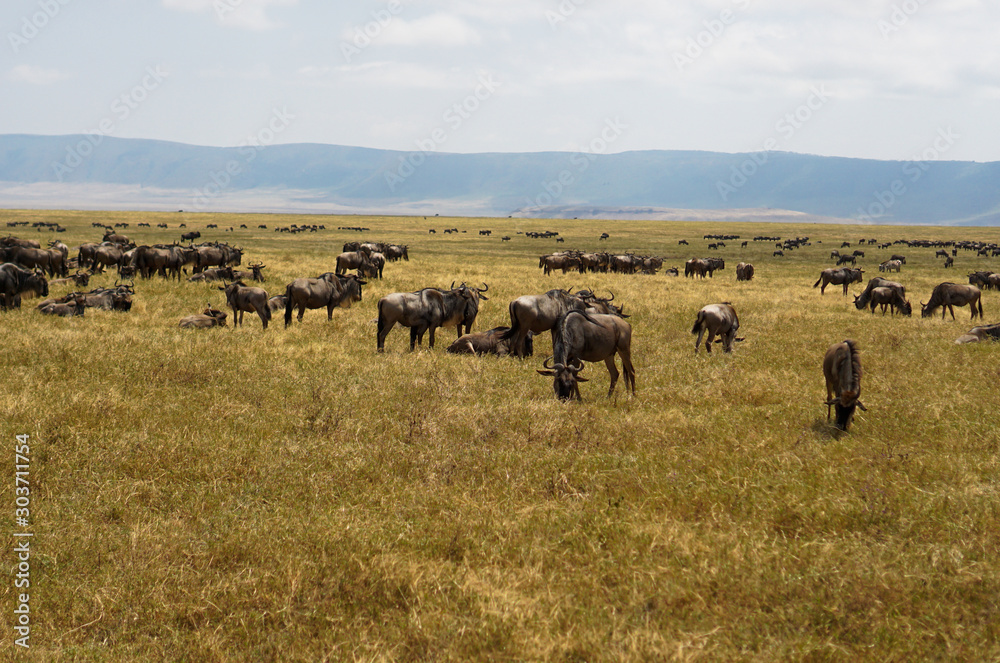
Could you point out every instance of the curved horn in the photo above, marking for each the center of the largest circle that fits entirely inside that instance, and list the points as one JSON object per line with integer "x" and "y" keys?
{"x": 485, "y": 287}
{"x": 452, "y": 286}
{"x": 545, "y": 364}
{"x": 612, "y": 296}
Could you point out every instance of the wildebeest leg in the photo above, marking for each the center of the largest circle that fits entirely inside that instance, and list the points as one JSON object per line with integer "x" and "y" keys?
{"x": 413, "y": 338}
{"x": 430, "y": 341}
{"x": 329, "y": 310}
{"x": 708, "y": 341}
{"x": 697, "y": 341}
{"x": 613, "y": 372}
{"x": 302, "y": 312}
{"x": 383, "y": 331}
{"x": 263, "y": 316}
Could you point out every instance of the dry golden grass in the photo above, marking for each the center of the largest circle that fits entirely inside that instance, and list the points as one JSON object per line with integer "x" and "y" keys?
{"x": 290, "y": 495}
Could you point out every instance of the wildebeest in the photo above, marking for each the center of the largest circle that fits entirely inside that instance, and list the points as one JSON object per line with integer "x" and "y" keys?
{"x": 424, "y": 311}
{"x": 215, "y": 274}
{"x": 358, "y": 260}
{"x": 190, "y": 236}
{"x": 329, "y": 290}
{"x": 976, "y": 334}
{"x": 80, "y": 278}
{"x": 207, "y": 319}
{"x": 717, "y": 319}
{"x": 861, "y": 301}
{"x": 16, "y": 241}
{"x": 890, "y": 266}
{"x": 744, "y": 271}
{"x": 847, "y": 259}
{"x": 889, "y": 297}
{"x": 256, "y": 273}
{"x": 538, "y": 313}
{"x": 948, "y": 295}
{"x": 486, "y": 342}
{"x": 74, "y": 307}
{"x": 118, "y": 298}
{"x": 896, "y": 256}
{"x": 980, "y": 278}
{"x": 52, "y": 261}
{"x": 842, "y": 370}
{"x": 949, "y": 262}
{"x": 844, "y": 275}
{"x": 16, "y": 280}
{"x": 578, "y": 337}
{"x": 242, "y": 298}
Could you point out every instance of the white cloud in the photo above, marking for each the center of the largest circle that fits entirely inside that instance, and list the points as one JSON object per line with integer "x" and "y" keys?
{"x": 26, "y": 73}
{"x": 433, "y": 30}
{"x": 244, "y": 14}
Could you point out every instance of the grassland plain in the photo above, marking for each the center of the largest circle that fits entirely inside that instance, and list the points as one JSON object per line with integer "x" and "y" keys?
{"x": 290, "y": 495}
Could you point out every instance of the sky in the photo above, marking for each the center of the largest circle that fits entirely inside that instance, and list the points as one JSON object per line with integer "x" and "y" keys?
{"x": 880, "y": 79}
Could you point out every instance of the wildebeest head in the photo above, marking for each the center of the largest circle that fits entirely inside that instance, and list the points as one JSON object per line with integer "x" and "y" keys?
{"x": 567, "y": 378}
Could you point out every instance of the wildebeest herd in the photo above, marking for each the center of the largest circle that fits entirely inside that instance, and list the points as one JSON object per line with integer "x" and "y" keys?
{"x": 584, "y": 326}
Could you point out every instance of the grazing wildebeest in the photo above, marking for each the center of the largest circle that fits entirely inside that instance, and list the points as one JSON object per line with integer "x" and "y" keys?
{"x": 190, "y": 236}
{"x": 844, "y": 276}
{"x": 207, "y": 319}
{"x": 538, "y": 313}
{"x": 842, "y": 370}
{"x": 16, "y": 280}
{"x": 277, "y": 303}
{"x": 242, "y": 298}
{"x": 604, "y": 236}
{"x": 106, "y": 255}
{"x": 942, "y": 253}
{"x": 834, "y": 254}
{"x": 896, "y": 256}
{"x": 329, "y": 290}
{"x": 424, "y": 311}
{"x": 778, "y": 254}
{"x": 487, "y": 342}
{"x": 985, "y": 333}
{"x": 578, "y": 337}
{"x": 949, "y": 262}
{"x": 744, "y": 271}
{"x": 861, "y": 301}
{"x": 717, "y": 319}
{"x": 844, "y": 259}
{"x": 948, "y": 295}
{"x": 889, "y": 297}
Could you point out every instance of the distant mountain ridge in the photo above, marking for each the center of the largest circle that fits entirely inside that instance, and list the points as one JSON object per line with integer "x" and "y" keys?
{"x": 89, "y": 170}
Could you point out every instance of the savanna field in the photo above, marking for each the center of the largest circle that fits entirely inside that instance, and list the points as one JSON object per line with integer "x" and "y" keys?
{"x": 291, "y": 495}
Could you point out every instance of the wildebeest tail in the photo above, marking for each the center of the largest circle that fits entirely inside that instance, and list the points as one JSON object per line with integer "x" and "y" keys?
{"x": 699, "y": 321}
{"x": 288, "y": 305}
{"x": 850, "y": 372}
{"x": 514, "y": 324}
{"x": 818, "y": 281}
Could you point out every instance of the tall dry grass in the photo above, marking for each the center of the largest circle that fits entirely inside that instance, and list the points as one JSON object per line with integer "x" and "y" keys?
{"x": 233, "y": 494}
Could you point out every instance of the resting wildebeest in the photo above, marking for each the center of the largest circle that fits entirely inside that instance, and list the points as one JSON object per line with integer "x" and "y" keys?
{"x": 207, "y": 319}
{"x": 889, "y": 297}
{"x": 578, "y": 337}
{"x": 329, "y": 290}
{"x": 948, "y": 295}
{"x": 215, "y": 274}
{"x": 277, "y": 303}
{"x": 486, "y": 342}
{"x": 744, "y": 271}
{"x": 15, "y": 280}
{"x": 74, "y": 307}
{"x": 985, "y": 333}
{"x": 80, "y": 278}
{"x": 242, "y": 298}
{"x": 717, "y": 319}
{"x": 842, "y": 370}
{"x": 844, "y": 275}
{"x": 424, "y": 311}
